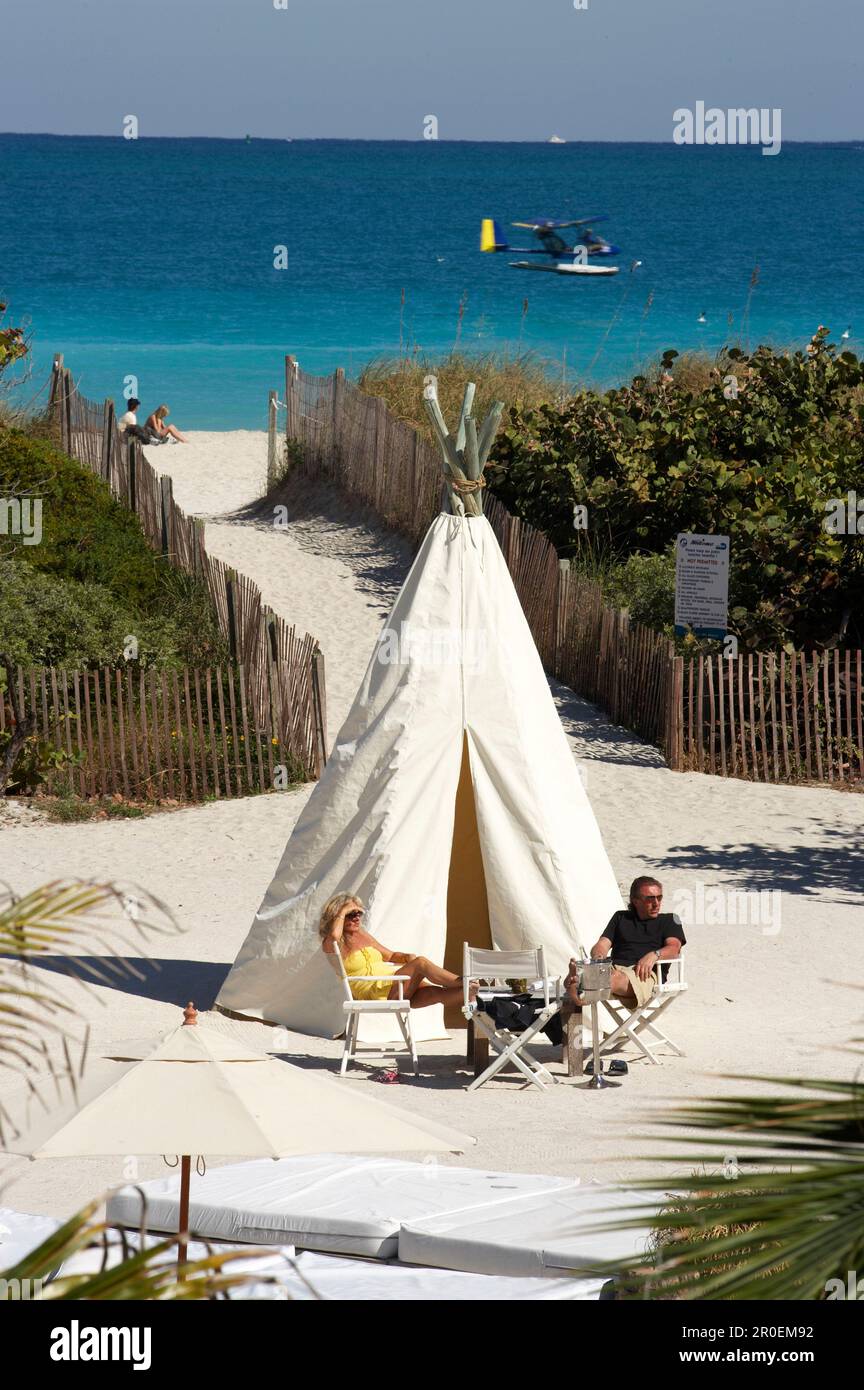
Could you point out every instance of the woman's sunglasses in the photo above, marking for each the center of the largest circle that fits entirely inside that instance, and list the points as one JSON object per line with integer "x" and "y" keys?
{"x": 352, "y": 916}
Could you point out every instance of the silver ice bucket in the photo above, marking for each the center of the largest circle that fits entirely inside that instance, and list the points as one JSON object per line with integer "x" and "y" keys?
{"x": 595, "y": 980}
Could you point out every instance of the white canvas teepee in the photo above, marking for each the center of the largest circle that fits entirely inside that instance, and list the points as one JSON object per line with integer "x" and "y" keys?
{"x": 451, "y": 802}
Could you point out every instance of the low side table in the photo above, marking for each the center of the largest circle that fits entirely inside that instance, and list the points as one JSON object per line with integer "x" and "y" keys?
{"x": 572, "y": 1051}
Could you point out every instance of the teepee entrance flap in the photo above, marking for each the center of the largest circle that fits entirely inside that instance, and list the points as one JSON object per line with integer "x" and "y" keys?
{"x": 467, "y": 900}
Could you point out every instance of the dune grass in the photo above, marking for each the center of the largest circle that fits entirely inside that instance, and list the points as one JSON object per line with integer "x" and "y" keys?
{"x": 523, "y": 382}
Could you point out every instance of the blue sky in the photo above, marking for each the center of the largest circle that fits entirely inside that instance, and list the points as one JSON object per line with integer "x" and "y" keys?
{"x": 372, "y": 69}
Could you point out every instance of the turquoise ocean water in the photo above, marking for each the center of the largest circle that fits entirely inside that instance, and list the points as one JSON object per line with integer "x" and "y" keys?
{"x": 155, "y": 258}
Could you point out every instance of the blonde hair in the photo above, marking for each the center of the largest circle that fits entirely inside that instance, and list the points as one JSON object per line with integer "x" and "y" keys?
{"x": 331, "y": 909}
{"x": 161, "y": 411}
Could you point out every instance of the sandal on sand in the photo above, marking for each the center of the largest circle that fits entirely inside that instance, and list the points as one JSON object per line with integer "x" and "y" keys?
{"x": 617, "y": 1067}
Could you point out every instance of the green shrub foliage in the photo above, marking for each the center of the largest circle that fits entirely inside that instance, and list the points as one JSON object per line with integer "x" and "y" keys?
{"x": 92, "y": 580}
{"x": 759, "y": 460}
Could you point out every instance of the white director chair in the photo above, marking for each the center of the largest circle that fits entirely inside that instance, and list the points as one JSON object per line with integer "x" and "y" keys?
{"x": 639, "y": 1024}
{"x": 512, "y": 1049}
{"x": 400, "y": 1009}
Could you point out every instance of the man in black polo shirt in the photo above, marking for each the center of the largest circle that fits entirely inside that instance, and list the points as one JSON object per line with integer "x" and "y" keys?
{"x": 636, "y": 938}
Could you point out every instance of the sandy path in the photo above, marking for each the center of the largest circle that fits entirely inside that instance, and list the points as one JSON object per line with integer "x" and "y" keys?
{"x": 762, "y": 999}
{"x": 328, "y": 575}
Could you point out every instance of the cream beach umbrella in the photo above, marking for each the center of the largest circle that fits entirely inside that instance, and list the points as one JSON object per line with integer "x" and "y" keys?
{"x": 197, "y": 1092}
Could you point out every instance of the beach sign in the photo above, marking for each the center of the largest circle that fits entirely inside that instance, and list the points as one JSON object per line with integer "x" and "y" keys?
{"x": 701, "y": 585}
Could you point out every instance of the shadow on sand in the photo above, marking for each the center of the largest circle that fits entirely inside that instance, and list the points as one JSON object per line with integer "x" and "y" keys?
{"x": 167, "y": 981}
{"x": 832, "y": 869}
{"x": 595, "y": 738}
{"x": 324, "y": 519}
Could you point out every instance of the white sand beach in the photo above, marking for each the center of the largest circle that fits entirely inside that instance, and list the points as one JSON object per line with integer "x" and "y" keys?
{"x": 773, "y": 998}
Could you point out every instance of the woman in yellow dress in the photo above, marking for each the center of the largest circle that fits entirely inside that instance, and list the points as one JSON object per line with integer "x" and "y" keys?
{"x": 341, "y": 929}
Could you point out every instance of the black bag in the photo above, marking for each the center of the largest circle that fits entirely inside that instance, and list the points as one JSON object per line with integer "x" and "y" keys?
{"x": 516, "y": 1013}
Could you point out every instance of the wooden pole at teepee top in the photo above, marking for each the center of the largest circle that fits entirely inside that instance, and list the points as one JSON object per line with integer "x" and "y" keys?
{"x": 466, "y": 452}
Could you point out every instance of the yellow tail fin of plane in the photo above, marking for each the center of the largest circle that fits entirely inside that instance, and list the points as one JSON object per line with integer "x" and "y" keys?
{"x": 491, "y": 238}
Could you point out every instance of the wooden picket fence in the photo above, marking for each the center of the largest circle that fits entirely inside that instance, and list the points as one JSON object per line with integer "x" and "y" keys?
{"x": 785, "y": 717}
{"x": 182, "y": 735}
{"x": 281, "y": 670}
{"x": 774, "y": 717}
{"x": 353, "y": 440}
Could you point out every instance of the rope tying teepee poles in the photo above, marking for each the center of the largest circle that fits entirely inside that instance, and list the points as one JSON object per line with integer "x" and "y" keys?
{"x": 466, "y": 453}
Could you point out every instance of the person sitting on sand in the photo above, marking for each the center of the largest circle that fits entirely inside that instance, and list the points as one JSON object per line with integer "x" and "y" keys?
{"x": 636, "y": 938}
{"x": 156, "y": 425}
{"x": 341, "y": 929}
{"x": 128, "y": 423}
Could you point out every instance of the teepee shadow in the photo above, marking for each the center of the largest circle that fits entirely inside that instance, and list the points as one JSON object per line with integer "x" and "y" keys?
{"x": 166, "y": 981}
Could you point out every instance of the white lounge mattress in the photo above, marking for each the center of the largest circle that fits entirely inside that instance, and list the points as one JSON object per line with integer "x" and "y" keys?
{"x": 20, "y": 1232}
{"x": 312, "y": 1276}
{"x": 330, "y": 1202}
{"x": 529, "y": 1235}
{"x": 332, "y": 1277}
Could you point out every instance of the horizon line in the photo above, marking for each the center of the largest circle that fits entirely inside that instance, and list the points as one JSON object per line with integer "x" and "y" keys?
{"x": 402, "y": 139}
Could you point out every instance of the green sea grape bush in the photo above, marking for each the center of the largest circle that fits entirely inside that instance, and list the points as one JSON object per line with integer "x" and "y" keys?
{"x": 37, "y": 761}
{"x": 93, "y": 579}
{"x": 46, "y": 620}
{"x": 762, "y": 464}
{"x": 645, "y": 586}
{"x": 13, "y": 344}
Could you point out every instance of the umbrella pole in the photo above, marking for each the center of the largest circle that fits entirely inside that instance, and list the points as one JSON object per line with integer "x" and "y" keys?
{"x": 185, "y": 1174}
{"x": 190, "y": 1019}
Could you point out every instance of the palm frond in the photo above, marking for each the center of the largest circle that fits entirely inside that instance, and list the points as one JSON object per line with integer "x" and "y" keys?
{"x": 44, "y": 1039}
{"x": 779, "y": 1230}
{"x": 124, "y": 1272}
{"x": 81, "y": 926}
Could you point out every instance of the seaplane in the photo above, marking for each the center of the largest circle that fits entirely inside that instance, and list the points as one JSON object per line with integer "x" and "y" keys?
{"x": 562, "y": 259}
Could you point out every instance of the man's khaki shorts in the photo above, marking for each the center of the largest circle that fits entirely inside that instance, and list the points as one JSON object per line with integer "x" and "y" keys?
{"x": 643, "y": 989}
